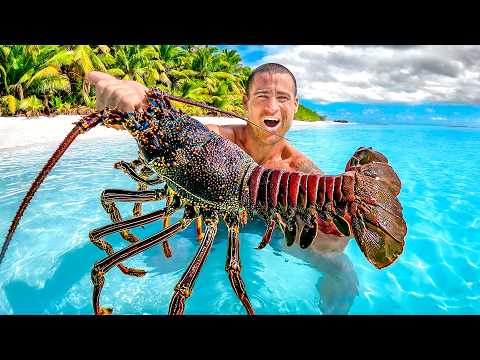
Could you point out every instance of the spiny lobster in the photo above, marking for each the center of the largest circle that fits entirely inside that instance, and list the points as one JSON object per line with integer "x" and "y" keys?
{"x": 209, "y": 177}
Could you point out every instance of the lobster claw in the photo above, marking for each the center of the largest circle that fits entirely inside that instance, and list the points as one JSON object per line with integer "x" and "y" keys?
{"x": 376, "y": 214}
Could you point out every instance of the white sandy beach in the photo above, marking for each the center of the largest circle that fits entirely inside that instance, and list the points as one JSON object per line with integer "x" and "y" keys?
{"x": 22, "y": 131}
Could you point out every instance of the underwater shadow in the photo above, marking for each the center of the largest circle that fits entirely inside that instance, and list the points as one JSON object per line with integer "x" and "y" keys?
{"x": 338, "y": 284}
{"x": 74, "y": 265}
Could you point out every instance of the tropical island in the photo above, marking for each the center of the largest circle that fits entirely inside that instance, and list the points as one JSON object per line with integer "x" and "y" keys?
{"x": 47, "y": 80}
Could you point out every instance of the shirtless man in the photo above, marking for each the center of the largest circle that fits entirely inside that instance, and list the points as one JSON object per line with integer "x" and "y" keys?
{"x": 270, "y": 101}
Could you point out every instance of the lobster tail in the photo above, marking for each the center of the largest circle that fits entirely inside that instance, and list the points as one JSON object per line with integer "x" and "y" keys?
{"x": 377, "y": 222}
{"x": 376, "y": 214}
{"x": 85, "y": 124}
{"x": 361, "y": 202}
{"x": 282, "y": 195}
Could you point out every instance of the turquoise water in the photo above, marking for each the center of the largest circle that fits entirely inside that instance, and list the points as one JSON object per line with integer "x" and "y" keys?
{"x": 47, "y": 268}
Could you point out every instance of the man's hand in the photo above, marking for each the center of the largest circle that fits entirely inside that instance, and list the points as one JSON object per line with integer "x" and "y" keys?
{"x": 122, "y": 95}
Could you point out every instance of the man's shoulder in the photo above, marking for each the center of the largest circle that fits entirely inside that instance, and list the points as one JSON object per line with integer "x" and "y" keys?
{"x": 229, "y": 132}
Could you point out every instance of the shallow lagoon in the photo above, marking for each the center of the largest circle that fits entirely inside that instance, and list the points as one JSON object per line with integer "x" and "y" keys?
{"x": 47, "y": 268}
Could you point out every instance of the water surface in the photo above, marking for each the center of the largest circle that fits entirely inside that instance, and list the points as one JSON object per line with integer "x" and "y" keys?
{"x": 47, "y": 268}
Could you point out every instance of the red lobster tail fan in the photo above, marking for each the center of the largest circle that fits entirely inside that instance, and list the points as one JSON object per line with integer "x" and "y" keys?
{"x": 83, "y": 125}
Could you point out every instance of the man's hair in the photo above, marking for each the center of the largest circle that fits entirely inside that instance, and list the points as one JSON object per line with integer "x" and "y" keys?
{"x": 272, "y": 68}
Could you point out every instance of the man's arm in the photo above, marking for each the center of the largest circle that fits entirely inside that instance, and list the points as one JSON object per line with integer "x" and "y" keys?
{"x": 306, "y": 165}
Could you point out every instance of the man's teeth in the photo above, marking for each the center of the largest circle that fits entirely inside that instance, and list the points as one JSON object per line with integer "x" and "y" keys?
{"x": 271, "y": 122}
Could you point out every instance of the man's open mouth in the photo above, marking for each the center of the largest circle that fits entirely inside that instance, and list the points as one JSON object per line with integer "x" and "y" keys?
{"x": 271, "y": 122}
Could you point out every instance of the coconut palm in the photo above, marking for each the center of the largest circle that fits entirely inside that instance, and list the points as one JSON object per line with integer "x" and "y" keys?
{"x": 173, "y": 64}
{"x": 25, "y": 70}
{"x": 55, "y": 75}
{"x": 80, "y": 60}
{"x": 135, "y": 62}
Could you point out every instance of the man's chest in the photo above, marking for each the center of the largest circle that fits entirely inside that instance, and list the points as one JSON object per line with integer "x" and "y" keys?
{"x": 279, "y": 164}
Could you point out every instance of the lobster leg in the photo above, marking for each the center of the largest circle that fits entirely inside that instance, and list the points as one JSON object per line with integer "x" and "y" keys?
{"x": 145, "y": 172}
{"x": 103, "y": 266}
{"x": 97, "y": 234}
{"x": 233, "y": 266}
{"x": 184, "y": 287}
{"x": 142, "y": 184}
{"x": 130, "y": 171}
{"x": 166, "y": 223}
{"x": 199, "y": 228}
{"x": 109, "y": 196}
{"x": 268, "y": 235}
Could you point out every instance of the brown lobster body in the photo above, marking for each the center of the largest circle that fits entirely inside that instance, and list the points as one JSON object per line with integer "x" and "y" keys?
{"x": 210, "y": 177}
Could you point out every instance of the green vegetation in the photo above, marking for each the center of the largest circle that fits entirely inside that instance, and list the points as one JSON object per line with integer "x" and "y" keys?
{"x": 305, "y": 114}
{"x": 50, "y": 79}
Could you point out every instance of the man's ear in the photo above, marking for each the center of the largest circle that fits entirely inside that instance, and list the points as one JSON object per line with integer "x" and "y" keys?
{"x": 296, "y": 104}
{"x": 245, "y": 101}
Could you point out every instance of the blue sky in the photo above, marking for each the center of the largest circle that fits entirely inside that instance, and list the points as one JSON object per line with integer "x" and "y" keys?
{"x": 381, "y": 84}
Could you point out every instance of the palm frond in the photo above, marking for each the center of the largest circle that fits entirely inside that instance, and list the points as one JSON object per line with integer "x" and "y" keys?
{"x": 223, "y": 75}
{"x": 45, "y": 72}
{"x": 185, "y": 73}
{"x": 25, "y": 77}
{"x": 53, "y": 84}
{"x": 97, "y": 62}
{"x": 82, "y": 58}
{"x": 116, "y": 72}
{"x": 107, "y": 59}
{"x": 11, "y": 103}
{"x": 61, "y": 59}
{"x": 139, "y": 79}
{"x": 6, "y": 51}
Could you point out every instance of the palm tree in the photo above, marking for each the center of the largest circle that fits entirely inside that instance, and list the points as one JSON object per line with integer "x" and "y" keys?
{"x": 80, "y": 60}
{"x": 172, "y": 62}
{"x": 25, "y": 69}
{"x": 231, "y": 60}
{"x": 30, "y": 74}
{"x": 135, "y": 62}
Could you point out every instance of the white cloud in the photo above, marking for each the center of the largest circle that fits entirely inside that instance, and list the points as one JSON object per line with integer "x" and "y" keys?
{"x": 405, "y": 74}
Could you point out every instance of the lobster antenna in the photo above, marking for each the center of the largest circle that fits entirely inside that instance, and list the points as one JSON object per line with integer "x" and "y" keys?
{"x": 36, "y": 184}
{"x": 208, "y": 107}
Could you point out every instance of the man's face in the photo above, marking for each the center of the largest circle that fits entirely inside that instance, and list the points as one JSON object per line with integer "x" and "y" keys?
{"x": 271, "y": 104}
